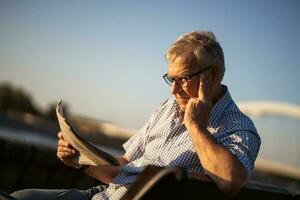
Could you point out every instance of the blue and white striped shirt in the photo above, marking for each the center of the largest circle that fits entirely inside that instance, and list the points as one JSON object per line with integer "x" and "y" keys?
{"x": 164, "y": 141}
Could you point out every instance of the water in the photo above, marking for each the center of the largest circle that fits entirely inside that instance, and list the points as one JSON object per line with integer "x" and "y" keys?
{"x": 39, "y": 139}
{"x": 28, "y": 137}
{"x": 280, "y": 138}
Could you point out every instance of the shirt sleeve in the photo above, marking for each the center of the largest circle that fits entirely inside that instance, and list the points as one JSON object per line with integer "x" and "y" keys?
{"x": 135, "y": 146}
{"x": 244, "y": 145}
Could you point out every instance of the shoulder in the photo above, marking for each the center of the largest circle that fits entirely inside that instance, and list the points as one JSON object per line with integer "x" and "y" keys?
{"x": 168, "y": 105}
{"x": 235, "y": 128}
{"x": 233, "y": 119}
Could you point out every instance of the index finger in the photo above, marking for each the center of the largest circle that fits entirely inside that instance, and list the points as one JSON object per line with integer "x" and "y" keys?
{"x": 204, "y": 92}
{"x": 65, "y": 144}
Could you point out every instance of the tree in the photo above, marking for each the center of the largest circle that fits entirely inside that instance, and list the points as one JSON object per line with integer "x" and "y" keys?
{"x": 15, "y": 99}
{"x": 51, "y": 111}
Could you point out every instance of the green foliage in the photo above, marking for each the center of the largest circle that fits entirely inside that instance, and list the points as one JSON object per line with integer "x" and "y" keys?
{"x": 15, "y": 99}
{"x": 50, "y": 113}
{"x": 18, "y": 100}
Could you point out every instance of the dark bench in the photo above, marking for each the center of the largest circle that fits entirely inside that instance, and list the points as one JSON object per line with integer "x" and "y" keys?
{"x": 173, "y": 183}
{"x": 32, "y": 165}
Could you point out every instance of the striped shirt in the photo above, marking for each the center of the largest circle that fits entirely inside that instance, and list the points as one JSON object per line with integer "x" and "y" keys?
{"x": 164, "y": 141}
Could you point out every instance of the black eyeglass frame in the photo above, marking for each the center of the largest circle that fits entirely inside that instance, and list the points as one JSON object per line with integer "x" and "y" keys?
{"x": 169, "y": 80}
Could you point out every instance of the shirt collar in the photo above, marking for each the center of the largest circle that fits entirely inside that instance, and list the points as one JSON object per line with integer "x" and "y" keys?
{"x": 217, "y": 110}
{"x": 178, "y": 113}
{"x": 219, "y": 107}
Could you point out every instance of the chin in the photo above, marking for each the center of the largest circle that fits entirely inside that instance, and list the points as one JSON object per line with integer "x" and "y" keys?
{"x": 182, "y": 107}
{"x": 182, "y": 104}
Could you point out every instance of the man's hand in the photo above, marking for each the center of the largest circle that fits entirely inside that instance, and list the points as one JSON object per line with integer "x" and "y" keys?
{"x": 231, "y": 175}
{"x": 66, "y": 153}
{"x": 198, "y": 109}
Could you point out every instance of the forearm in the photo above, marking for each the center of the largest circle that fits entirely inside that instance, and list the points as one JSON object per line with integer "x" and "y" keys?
{"x": 217, "y": 161}
{"x": 106, "y": 174}
{"x": 103, "y": 174}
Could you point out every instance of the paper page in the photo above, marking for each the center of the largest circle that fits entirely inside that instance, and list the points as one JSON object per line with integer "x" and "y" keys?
{"x": 89, "y": 154}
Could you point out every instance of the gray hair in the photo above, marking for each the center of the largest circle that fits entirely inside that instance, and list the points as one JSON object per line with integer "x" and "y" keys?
{"x": 202, "y": 46}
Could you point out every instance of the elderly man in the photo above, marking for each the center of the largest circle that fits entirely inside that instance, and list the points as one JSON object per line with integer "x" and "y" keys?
{"x": 201, "y": 129}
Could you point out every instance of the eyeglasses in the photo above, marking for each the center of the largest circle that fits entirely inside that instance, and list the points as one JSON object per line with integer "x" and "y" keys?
{"x": 182, "y": 81}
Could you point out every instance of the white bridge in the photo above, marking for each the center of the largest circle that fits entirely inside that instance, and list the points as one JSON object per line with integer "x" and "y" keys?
{"x": 265, "y": 108}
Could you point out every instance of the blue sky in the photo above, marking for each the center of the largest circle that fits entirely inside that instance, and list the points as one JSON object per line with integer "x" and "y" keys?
{"x": 106, "y": 58}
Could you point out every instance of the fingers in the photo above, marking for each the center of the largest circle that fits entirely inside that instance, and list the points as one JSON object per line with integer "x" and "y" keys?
{"x": 66, "y": 156}
{"x": 64, "y": 149}
{"x": 62, "y": 142}
{"x": 60, "y": 135}
{"x": 66, "y": 153}
{"x": 204, "y": 91}
{"x": 63, "y": 152}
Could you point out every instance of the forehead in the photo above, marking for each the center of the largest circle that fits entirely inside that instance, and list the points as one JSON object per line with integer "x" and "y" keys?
{"x": 181, "y": 66}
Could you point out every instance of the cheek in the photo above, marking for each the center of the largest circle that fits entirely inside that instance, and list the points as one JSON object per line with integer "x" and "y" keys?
{"x": 192, "y": 92}
{"x": 192, "y": 89}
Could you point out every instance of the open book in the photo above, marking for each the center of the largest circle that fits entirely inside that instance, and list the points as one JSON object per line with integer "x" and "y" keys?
{"x": 89, "y": 154}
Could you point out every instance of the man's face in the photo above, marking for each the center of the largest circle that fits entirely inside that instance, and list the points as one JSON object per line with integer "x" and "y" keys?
{"x": 180, "y": 67}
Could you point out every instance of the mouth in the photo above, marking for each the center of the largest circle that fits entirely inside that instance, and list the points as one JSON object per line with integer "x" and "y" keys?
{"x": 182, "y": 98}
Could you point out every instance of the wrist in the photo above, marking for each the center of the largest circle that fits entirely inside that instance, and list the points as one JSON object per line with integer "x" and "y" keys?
{"x": 196, "y": 129}
{"x": 196, "y": 126}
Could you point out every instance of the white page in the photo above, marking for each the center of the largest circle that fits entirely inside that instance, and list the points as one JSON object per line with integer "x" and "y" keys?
{"x": 89, "y": 154}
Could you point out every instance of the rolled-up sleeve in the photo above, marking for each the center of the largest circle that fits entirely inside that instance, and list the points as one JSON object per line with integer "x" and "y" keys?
{"x": 244, "y": 145}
